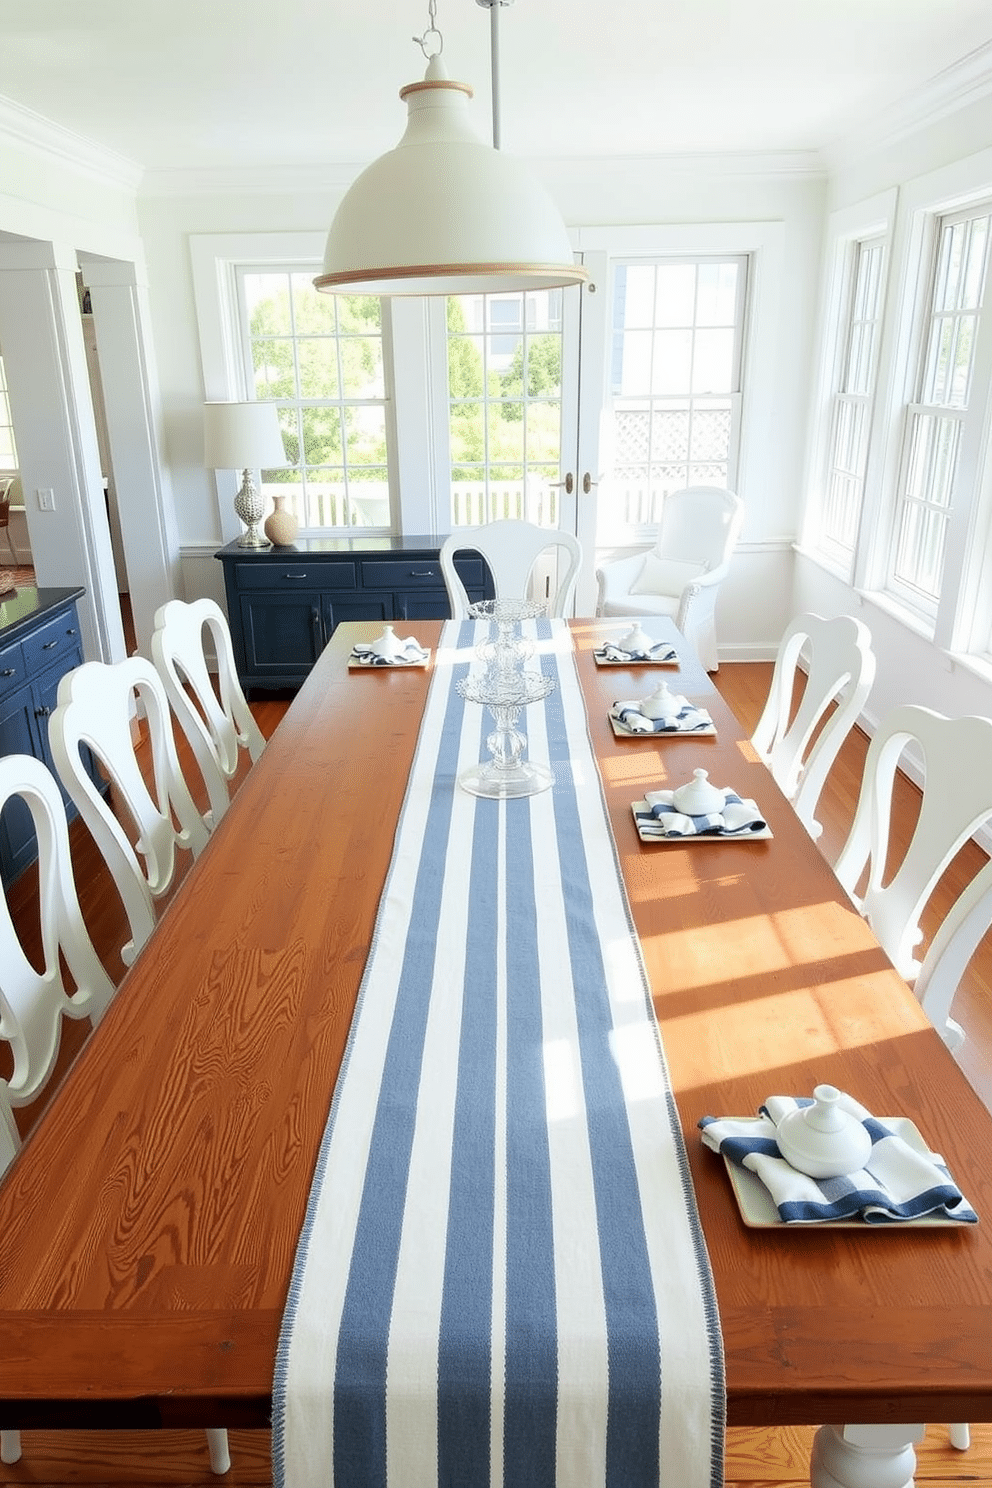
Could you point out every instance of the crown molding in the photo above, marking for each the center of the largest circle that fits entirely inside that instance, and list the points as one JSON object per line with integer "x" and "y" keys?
{"x": 40, "y": 134}
{"x": 296, "y": 180}
{"x": 742, "y": 164}
{"x": 966, "y": 81}
{"x": 266, "y": 180}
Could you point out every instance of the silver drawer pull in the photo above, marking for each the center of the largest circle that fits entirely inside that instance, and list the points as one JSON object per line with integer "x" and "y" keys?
{"x": 294, "y": 576}
{"x": 418, "y": 574}
{"x": 9, "y": 672}
{"x": 49, "y": 644}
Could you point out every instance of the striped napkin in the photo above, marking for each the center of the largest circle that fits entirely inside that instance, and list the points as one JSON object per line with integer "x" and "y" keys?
{"x": 738, "y": 818}
{"x": 688, "y": 720}
{"x": 660, "y": 651}
{"x": 898, "y": 1182}
{"x": 412, "y": 654}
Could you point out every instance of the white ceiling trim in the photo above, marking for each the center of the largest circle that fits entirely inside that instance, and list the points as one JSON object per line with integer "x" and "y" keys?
{"x": 293, "y": 180}
{"x": 35, "y": 132}
{"x": 966, "y": 81}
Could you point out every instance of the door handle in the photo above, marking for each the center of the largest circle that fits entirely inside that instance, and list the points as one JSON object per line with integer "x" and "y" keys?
{"x": 568, "y": 483}
{"x": 588, "y": 483}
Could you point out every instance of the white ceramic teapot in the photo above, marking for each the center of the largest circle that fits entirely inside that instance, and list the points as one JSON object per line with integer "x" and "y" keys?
{"x": 823, "y": 1140}
{"x": 662, "y": 703}
{"x": 698, "y": 797}
{"x": 636, "y": 641}
{"x": 388, "y": 647}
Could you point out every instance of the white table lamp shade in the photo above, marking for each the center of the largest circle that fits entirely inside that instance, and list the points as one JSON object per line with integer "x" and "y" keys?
{"x": 240, "y": 436}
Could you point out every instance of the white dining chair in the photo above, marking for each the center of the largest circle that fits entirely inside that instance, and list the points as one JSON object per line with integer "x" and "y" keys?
{"x": 839, "y": 667}
{"x": 34, "y": 1000}
{"x": 511, "y": 549}
{"x": 97, "y": 706}
{"x": 955, "y": 759}
{"x": 217, "y": 721}
{"x": 681, "y": 576}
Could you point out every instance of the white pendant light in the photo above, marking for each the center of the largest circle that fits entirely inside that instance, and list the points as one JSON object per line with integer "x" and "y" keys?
{"x": 444, "y": 212}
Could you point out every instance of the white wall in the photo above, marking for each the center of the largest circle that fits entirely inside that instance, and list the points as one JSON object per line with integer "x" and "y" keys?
{"x": 592, "y": 194}
{"x": 911, "y": 667}
{"x": 58, "y": 199}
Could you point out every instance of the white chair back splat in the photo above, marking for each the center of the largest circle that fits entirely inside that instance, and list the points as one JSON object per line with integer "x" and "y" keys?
{"x": 218, "y": 728}
{"x": 33, "y": 1003}
{"x": 840, "y": 670}
{"x": 512, "y": 549}
{"x": 956, "y": 759}
{"x": 95, "y": 707}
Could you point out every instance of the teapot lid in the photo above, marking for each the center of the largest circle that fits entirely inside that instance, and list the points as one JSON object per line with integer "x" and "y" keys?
{"x": 698, "y": 797}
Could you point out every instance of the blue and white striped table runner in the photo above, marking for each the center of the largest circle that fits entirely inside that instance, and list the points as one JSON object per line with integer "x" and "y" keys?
{"x": 501, "y": 1278}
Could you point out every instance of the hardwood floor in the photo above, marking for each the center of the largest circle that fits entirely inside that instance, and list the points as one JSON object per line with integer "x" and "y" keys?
{"x": 758, "y": 1458}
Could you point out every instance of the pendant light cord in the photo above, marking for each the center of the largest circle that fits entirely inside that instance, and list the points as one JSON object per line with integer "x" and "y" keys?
{"x": 494, "y": 11}
{"x": 431, "y": 31}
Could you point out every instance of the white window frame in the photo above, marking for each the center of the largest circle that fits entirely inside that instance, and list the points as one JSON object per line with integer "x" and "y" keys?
{"x": 414, "y": 342}
{"x": 871, "y": 220}
{"x": 769, "y": 341}
{"x": 309, "y": 487}
{"x": 935, "y": 432}
{"x": 957, "y": 623}
{"x": 612, "y": 530}
{"x": 216, "y": 259}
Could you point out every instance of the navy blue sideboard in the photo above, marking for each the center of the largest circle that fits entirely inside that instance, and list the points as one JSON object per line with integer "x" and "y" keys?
{"x": 283, "y": 603}
{"x": 39, "y": 643}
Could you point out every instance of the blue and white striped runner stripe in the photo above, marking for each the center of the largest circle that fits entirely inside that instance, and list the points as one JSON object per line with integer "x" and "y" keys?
{"x": 501, "y": 1278}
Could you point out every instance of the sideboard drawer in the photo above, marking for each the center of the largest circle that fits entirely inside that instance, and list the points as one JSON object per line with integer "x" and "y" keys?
{"x": 290, "y": 575}
{"x": 409, "y": 573}
{"x": 52, "y": 642}
{"x": 13, "y": 669}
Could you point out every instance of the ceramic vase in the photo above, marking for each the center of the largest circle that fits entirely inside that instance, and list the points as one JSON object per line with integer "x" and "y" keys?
{"x": 281, "y": 525}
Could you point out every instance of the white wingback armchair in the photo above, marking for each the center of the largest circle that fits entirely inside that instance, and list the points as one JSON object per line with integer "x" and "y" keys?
{"x": 682, "y": 573}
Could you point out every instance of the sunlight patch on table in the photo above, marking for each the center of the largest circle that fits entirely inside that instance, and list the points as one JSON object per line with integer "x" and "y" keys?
{"x": 562, "y": 1083}
{"x": 637, "y": 769}
{"x": 637, "y": 1060}
{"x": 758, "y": 945}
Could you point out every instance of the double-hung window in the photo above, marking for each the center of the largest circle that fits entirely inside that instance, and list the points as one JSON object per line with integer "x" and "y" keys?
{"x": 937, "y": 415}
{"x": 320, "y": 359}
{"x": 851, "y": 403}
{"x": 674, "y": 396}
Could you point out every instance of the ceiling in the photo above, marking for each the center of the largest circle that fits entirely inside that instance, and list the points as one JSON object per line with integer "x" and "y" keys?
{"x": 221, "y": 84}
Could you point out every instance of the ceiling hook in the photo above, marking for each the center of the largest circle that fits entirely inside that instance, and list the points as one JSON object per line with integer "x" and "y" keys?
{"x": 431, "y": 31}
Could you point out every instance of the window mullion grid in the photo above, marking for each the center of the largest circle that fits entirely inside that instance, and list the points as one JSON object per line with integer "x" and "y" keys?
{"x": 930, "y": 464}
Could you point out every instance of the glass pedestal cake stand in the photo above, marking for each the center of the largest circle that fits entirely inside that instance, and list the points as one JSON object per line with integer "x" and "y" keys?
{"x": 507, "y": 773}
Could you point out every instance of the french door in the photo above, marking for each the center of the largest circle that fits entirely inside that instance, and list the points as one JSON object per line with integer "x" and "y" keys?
{"x": 581, "y": 409}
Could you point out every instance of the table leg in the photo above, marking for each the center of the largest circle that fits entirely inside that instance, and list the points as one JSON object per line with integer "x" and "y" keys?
{"x": 864, "y": 1456}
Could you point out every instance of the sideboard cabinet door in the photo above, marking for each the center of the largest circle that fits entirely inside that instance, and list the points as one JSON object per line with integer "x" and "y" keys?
{"x": 283, "y": 634}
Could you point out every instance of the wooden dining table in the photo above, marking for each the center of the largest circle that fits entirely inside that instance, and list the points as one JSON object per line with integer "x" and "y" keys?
{"x": 148, "y": 1226}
